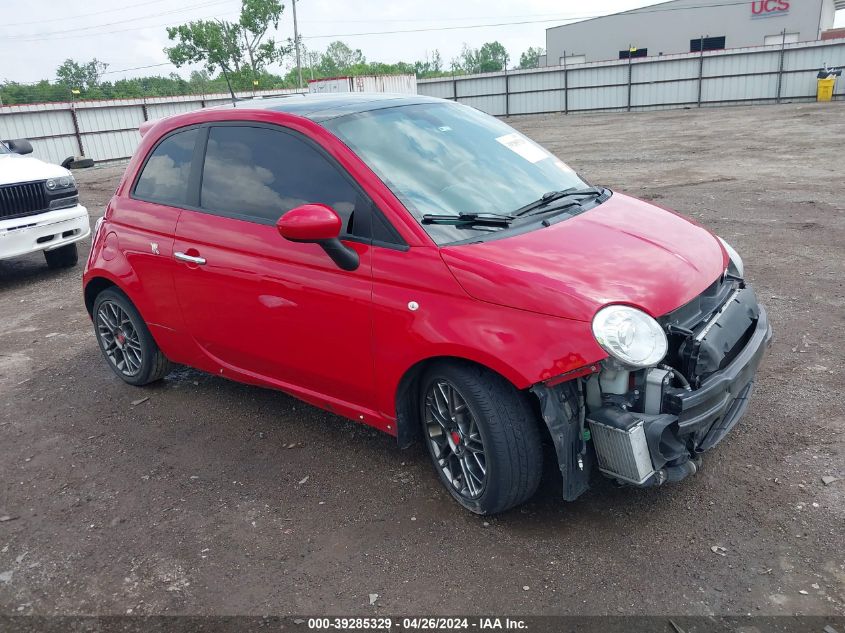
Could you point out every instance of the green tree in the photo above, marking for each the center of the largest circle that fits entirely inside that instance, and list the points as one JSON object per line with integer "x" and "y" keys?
{"x": 340, "y": 59}
{"x": 241, "y": 50}
{"x": 81, "y": 76}
{"x": 199, "y": 80}
{"x": 431, "y": 67}
{"x": 257, "y": 16}
{"x": 312, "y": 61}
{"x": 531, "y": 57}
{"x": 436, "y": 62}
{"x": 206, "y": 41}
{"x": 465, "y": 62}
{"x": 12, "y": 92}
{"x": 491, "y": 57}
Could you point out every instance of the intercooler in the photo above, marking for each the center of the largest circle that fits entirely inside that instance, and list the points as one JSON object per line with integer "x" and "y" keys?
{"x": 621, "y": 446}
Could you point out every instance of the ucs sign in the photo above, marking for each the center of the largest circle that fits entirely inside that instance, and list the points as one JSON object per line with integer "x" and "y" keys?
{"x": 769, "y": 8}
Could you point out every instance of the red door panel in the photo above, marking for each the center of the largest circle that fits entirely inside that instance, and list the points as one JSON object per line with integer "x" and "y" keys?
{"x": 275, "y": 310}
{"x": 144, "y": 232}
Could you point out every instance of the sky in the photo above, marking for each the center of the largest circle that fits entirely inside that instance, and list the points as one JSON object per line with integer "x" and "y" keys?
{"x": 38, "y": 35}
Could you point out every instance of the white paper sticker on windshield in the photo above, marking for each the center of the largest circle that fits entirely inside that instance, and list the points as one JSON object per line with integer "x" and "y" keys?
{"x": 522, "y": 146}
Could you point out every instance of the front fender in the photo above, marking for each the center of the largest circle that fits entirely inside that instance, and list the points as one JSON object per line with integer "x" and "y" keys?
{"x": 524, "y": 347}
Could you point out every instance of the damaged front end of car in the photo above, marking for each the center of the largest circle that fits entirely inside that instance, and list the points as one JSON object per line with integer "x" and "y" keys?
{"x": 670, "y": 389}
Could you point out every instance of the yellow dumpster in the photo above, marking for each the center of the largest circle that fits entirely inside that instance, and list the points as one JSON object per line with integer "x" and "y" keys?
{"x": 825, "y": 89}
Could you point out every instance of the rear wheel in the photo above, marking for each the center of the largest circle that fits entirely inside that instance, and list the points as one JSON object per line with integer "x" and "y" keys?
{"x": 63, "y": 257}
{"x": 125, "y": 341}
{"x": 481, "y": 436}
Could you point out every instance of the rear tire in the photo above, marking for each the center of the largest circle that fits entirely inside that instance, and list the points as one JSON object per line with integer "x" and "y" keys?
{"x": 482, "y": 437}
{"x": 125, "y": 340}
{"x": 81, "y": 163}
{"x": 63, "y": 257}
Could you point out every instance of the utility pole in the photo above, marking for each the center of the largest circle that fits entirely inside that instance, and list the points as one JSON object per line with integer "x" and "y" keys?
{"x": 700, "y": 67}
{"x": 631, "y": 50}
{"x": 309, "y": 60}
{"x": 780, "y": 67}
{"x": 296, "y": 43}
{"x": 565, "y": 86}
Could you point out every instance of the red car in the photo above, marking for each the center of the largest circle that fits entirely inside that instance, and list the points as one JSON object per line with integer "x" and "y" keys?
{"x": 423, "y": 268}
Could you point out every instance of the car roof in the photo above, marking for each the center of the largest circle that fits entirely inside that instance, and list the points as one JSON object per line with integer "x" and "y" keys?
{"x": 316, "y": 107}
{"x": 322, "y": 107}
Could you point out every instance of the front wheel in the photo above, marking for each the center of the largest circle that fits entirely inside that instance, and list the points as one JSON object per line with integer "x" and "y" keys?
{"x": 482, "y": 437}
{"x": 125, "y": 341}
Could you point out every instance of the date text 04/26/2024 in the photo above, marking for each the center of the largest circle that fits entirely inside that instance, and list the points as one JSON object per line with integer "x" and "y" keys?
{"x": 417, "y": 624}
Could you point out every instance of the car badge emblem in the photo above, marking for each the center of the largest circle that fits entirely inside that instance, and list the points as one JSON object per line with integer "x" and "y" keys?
{"x": 154, "y": 248}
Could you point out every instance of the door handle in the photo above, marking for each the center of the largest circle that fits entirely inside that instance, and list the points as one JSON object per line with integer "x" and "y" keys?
{"x": 189, "y": 258}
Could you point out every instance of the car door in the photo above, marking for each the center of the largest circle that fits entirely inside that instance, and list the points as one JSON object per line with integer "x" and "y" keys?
{"x": 256, "y": 304}
{"x": 142, "y": 228}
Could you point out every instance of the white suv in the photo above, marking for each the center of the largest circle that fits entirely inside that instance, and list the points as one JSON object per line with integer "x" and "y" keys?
{"x": 39, "y": 208}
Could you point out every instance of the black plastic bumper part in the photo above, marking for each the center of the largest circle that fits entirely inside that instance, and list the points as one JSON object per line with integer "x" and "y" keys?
{"x": 713, "y": 409}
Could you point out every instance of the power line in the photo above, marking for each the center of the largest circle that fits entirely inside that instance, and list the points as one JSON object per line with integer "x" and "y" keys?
{"x": 26, "y": 37}
{"x": 658, "y": 9}
{"x": 436, "y": 28}
{"x": 654, "y": 9}
{"x": 84, "y": 15}
{"x": 447, "y": 19}
{"x": 34, "y": 37}
{"x": 123, "y": 70}
{"x": 108, "y": 72}
{"x": 571, "y": 18}
{"x": 126, "y": 30}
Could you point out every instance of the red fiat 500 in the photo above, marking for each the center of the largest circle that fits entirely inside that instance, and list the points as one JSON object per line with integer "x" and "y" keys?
{"x": 421, "y": 267}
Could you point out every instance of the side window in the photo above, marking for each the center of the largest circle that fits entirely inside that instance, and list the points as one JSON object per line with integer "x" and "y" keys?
{"x": 258, "y": 174}
{"x": 165, "y": 175}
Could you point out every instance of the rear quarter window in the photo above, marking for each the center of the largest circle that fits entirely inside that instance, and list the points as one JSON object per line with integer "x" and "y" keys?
{"x": 166, "y": 172}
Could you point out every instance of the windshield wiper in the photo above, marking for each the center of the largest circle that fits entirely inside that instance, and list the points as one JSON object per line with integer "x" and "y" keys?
{"x": 469, "y": 219}
{"x": 552, "y": 196}
{"x": 564, "y": 199}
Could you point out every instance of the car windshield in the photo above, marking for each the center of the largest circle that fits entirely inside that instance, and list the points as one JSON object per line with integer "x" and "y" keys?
{"x": 450, "y": 159}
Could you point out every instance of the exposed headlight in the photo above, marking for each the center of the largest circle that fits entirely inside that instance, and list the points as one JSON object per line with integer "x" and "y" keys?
{"x": 62, "y": 182}
{"x": 735, "y": 267}
{"x": 630, "y": 336}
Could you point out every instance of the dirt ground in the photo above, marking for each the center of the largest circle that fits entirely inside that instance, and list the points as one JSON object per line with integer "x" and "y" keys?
{"x": 194, "y": 502}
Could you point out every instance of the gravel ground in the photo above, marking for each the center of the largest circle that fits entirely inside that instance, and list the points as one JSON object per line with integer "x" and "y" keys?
{"x": 210, "y": 497}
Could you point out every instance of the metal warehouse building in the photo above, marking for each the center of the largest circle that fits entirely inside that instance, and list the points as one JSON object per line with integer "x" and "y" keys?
{"x": 684, "y": 26}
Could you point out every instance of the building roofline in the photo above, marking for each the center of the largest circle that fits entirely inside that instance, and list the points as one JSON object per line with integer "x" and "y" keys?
{"x": 643, "y": 9}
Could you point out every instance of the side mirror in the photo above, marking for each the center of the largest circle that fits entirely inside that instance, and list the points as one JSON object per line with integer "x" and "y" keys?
{"x": 318, "y": 224}
{"x": 20, "y": 146}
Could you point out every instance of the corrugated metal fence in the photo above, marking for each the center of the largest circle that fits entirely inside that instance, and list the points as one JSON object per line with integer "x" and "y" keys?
{"x": 765, "y": 74}
{"x": 102, "y": 130}
{"x": 108, "y": 130}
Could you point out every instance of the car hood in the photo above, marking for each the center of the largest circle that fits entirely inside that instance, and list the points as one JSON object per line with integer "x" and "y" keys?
{"x": 16, "y": 168}
{"x": 624, "y": 250}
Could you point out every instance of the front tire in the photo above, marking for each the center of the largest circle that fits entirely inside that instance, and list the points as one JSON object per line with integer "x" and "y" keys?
{"x": 125, "y": 340}
{"x": 482, "y": 437}
{"x": 63, "y": 257}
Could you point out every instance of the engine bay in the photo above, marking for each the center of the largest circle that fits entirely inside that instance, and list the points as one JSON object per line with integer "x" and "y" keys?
{"x": 646, "y": 426}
